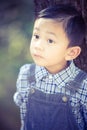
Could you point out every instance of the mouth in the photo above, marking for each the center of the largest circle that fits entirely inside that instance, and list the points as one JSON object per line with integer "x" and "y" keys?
{"x": 37, "y": 56}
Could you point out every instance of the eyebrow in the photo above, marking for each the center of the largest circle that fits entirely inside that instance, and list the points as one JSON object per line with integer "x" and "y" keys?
{"x": 46, "y": 32}
{"x": 51, "y": 33}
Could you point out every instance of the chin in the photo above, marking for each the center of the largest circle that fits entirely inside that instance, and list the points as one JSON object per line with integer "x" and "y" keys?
{"x": 39, "y": 64}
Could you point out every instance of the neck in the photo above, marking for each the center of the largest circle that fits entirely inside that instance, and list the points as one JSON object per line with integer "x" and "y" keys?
{"x": 56, "y": 69}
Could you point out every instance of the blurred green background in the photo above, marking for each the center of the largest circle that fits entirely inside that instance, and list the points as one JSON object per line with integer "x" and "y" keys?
{"x": 16, "y": 24}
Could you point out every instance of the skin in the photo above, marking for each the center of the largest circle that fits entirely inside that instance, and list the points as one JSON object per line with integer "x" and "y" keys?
{"x": 50, "y": 45}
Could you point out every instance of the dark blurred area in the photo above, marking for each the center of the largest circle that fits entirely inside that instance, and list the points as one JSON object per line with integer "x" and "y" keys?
{"x": 16, "y": 23}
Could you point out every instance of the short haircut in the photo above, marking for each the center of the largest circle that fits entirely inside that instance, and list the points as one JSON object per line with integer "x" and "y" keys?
{"x": 72, "y": 19}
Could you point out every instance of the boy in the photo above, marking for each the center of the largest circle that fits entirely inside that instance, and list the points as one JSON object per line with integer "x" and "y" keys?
{"x": 52, "y": 94}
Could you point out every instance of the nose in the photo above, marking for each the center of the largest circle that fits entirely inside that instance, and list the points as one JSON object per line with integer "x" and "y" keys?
{"x": 39, "y": 45}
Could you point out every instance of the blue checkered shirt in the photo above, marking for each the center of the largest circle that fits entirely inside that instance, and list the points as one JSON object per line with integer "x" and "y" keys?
{"x": 52, "y": 83}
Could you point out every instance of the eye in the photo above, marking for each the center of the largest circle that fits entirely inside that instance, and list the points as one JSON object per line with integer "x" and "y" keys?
{"x": 36, "y": 36}
{"x": 50, "y": 41}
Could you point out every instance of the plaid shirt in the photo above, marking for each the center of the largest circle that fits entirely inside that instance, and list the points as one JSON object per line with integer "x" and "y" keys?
{"x": 52, "y": 83}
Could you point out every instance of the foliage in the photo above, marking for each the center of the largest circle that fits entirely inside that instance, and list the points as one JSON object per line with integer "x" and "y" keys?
{"x": 16, "y": 22}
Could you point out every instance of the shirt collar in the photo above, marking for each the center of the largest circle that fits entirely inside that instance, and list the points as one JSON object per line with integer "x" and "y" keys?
{"x": 65, "y": 75}
{"x": 61, "y": 77}
{"x": 40, "y": 73}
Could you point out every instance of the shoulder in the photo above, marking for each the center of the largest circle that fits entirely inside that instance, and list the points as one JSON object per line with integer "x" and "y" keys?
{"x": 23, "y": 74}
{"x": 83, "y": 82}
{"x": 82, "y": 76}
{"x": 24, "y": 68}
{"x": 23, "y": 77}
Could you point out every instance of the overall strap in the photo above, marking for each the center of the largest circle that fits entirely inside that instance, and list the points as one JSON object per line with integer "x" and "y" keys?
{"x": 81, "y": 76}
{"x": 74, "y": 84}
{"x": 32, "y": 73}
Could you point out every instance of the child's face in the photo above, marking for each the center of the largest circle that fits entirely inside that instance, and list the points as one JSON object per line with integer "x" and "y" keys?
{"x": 49, "y": 45}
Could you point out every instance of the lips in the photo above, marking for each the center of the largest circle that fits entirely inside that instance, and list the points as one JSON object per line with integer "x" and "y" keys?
{"x": 37, "y": 55}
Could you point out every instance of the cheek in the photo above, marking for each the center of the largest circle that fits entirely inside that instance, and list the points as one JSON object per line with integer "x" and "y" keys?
{"x": 32, "y": 44}
{"x": 55, "y": 54}
{"x": 51, "y": 54}
{"x": 31, "y": 47}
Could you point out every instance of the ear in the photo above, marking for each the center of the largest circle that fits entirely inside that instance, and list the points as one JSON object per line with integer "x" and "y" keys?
{"x": 72, "y": 53}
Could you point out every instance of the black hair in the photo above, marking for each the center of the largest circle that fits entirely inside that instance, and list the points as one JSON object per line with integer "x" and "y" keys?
{"x": 72, "y": 19}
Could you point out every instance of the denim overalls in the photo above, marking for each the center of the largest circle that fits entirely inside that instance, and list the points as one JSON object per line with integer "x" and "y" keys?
{"x": 50, "y": 111}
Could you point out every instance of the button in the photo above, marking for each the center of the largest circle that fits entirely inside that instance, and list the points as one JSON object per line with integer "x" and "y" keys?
{"x": 32, "y": 90}
{"x": 65, "y": 99}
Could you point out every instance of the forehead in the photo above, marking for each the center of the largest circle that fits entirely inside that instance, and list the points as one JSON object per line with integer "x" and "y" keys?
{"x": 48, "y": 24}
{"x": 51, "y": 27}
